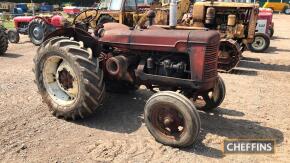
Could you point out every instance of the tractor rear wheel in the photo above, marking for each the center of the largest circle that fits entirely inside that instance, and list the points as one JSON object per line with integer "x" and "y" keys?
{"x": 3, "y": 42}
{"x": 13, "y": 36}
{"x": 229, "y": 55}
{"x": 172, "y": 119}
{"x": 261, "y": 43}
{"x": 37, "y": 30}
{"x": 69, "y": 82}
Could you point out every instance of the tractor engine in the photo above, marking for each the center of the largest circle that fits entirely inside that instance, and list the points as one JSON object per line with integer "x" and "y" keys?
{"x": 171, "y": 67}
{"x": 177, "y": 60}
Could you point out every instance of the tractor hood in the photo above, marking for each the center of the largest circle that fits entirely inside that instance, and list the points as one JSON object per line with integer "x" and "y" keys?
{"x": 23, "y": 19}
{"x": 156, "y": 38}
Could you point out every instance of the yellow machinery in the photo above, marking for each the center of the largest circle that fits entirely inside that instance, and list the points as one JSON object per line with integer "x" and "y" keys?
{"x": 236, "y": 23}
{"x": 278, "y": 6}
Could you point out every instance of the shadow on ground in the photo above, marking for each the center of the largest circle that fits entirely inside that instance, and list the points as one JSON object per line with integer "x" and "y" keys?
{"x": 264, "y": 66}
{"x": 244, "y": 72}
{"x": 121, "y": 113}
{"x": 279, "y": 38}
{"x": 124, "y": 114}
{"x": 274, "y": 50}
{"x": 10, "y": 55}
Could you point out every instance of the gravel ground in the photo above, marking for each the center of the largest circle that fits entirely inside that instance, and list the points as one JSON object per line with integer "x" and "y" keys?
{"x": 256, "y": 106}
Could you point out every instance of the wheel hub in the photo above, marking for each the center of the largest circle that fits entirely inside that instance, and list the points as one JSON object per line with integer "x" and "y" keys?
{"x": 60, "y": 81}
{"x": 169, "y": 122}
{"x": 37, "y": 32}
{"x": 65, "y": 79}
{"x": 259, "y": 43}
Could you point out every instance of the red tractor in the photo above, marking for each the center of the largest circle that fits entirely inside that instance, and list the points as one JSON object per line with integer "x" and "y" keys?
{"x": 35, "y": 27}
{"x": 75, "y": 66}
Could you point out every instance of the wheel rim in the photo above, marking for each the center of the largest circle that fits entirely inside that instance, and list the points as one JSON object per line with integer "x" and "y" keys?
{"x": 168, "y": 121}
{"x": 259, "y": 43}
{"x": 37, "y": 33}
{"x": 12, "y": 37}
{"x": 287, "y": 11}
{"x": 60, "y": 81}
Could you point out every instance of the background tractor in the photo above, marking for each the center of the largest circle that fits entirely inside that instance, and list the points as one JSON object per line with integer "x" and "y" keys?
{"x": 3, "y": 40}
{"x": 75, "y": 67}
{"x": 278, "y": 6}
{"x": 36, "y": 27}
{"x": 236, "y": 23}
{"x": 121, "y": 11}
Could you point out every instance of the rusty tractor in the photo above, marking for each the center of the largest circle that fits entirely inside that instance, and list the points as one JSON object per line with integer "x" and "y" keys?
{"x": 3, "y": 40}
{"x": 75, "y": 67}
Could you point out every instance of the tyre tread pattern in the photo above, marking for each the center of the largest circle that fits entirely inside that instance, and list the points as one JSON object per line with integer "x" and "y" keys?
{"x": 3, "y": 41}
{"x": 92, "y": 78}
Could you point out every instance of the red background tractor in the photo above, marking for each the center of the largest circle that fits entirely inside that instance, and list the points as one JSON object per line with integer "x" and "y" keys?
{"x": 36, "y": 27}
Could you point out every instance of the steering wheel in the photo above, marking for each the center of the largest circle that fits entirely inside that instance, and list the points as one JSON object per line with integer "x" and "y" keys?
{"x": 86, "y": 16}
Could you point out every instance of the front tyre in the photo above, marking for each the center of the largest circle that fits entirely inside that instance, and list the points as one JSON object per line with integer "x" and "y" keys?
{"x": 70, "y": 84}
{"x": 172, "y": 119}
{"x": 13, "y": 36}
{"x": 261, "y": 43}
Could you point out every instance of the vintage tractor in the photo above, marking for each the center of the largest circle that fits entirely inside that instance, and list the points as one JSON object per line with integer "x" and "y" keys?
{"x": 264, "y": 31}
{"x": 236, "y": 23}
{"x": 3, "y": 40}
{"x": 36, "y": 27}
{"x": 121, "y": 11}
{"x": 278, "y": 6}
{"x": 75, "y": 67}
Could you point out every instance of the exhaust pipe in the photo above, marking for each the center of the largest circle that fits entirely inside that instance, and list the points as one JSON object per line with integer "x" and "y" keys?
{"x": 118, "y": 66}
{"x": 173, "y": 14}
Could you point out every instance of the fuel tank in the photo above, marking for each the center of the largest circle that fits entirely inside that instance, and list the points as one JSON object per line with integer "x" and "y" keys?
{"x": 156, "y": 38}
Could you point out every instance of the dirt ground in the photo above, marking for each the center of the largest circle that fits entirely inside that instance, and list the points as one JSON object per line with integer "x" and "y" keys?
{"x": 256, "y": 106}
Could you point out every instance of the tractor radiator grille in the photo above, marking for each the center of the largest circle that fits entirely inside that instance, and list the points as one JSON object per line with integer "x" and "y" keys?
{"x": 210, "y": 61}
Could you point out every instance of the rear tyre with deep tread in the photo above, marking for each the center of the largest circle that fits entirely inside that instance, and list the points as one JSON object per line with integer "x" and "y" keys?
{"x": 90, "y": 86}
{"x": 3, "y": 42}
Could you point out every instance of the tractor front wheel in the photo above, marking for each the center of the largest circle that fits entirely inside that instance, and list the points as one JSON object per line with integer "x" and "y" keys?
{"x": 13, "y": 36}
{"x": 37, "y": 30}
{"x": 261, "y": 43}
{"x": 3, "y": 41}
{"x": 172, "y": 119}
{"x": 69, "y": 82}
{"x": 287, "y": 11}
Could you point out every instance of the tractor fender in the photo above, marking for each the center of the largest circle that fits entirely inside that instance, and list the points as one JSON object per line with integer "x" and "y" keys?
{"x": 78, "y": 35}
